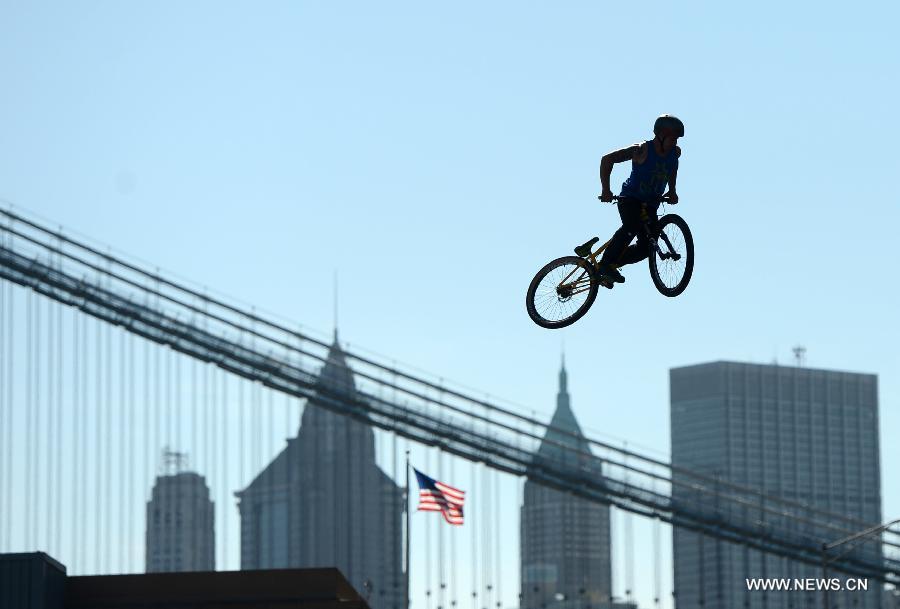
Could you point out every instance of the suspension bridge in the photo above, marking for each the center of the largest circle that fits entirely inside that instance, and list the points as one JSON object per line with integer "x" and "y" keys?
{"x": 79, "y": 326}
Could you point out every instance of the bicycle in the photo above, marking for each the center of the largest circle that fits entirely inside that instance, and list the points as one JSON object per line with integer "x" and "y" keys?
{"x": 564, "y": 289}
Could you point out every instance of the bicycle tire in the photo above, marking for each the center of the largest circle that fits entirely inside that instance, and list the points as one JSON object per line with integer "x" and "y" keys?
{"x": 537, "y": 302}
{"x": 660, "y": 270}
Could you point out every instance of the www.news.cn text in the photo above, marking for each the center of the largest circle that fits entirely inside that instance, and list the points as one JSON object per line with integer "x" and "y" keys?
{"x": 809, "y": 584}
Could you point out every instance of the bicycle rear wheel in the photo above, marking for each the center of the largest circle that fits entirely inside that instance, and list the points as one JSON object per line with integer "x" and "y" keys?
{"x": 672, "y": 259}
{"x": 561, "y": 292}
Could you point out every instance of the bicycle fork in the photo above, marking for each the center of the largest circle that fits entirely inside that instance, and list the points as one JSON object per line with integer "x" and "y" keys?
{"x": 654, "y": 245}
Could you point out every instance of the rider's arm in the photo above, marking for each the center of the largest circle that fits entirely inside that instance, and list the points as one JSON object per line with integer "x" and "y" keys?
{"x": 607, "y": 162}
{"x": 673, "y": 194}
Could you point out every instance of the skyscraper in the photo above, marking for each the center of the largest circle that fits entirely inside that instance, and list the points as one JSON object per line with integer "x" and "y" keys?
{"x": 180, "y": 523}
{"x": 323, "y": 501}
{"x": 565, "y": 540}
{"x": 805, "y": 435}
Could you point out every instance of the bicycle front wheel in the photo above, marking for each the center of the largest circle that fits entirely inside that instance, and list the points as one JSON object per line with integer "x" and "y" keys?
{"x": 561, "y": 292}
{"x": 672, "y": 257}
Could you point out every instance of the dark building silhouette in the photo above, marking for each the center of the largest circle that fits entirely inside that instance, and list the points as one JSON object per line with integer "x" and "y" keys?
{"x": 37, "y": 581}
{"x": 180, "y": 533}
{"x": 809, "y": 436}
{"x": 565, "y": 540}
{"x": 323, "y": 501}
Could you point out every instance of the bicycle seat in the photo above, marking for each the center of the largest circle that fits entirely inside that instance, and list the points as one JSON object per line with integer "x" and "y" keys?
{"x": 584, "y": 250}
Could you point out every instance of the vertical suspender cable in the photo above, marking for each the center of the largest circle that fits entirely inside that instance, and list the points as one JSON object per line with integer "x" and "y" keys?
{"x": 268, "y": 449}
{"x": 629, "y": 538}
{"x": 474, "y": 526}
{"x": 241, "y": 406}
{"x": 223, "y": 478}
{"x": 155, "y": 453}
{"x": 56, "y": 443}
{"x": 132, "y": 423}
{"x": 629, "y": 557}
{"x": 207, "y": 471}
{"x": 170, "y": 462}
{"x": 195, "y": 453}
{"x": 7, "y": 420}
{"x": 352, "y": 456}
{"x": 214, "y": 469}
{"x": 377, "y": 573}
{"x": 497, "y": 554}
{"x": 428, "y": 548}
{"x": 486, "y": 561}
{"x": 453, "y": 572}
{"x": 198, "y": 530}
{"x": 50, "y": 445}
{"x": 11, "y": 295}
{"x": 29, "y": 413}
{"x": 540, "y": 504}
{"x": 395, "y": 546}
{"x": 38, "y": 436}
{"x": 657, "y": 586}
{"x": 74, "y": 514}
{"x": 407, "y": 547}
{"x": 97, "y": 496}
{"x": 121, "y": 411}
{"x": 4, "y": 382}
{"x": 615, "y": 550}
{"x": 294, "y": 525}
{"x": 179, "y": 440}
{"x": 107, "y": 444}
{"x": 261, "y": 446}
{"x": 51, "y": 441}
{"x": 58, "y": 451}
{"x": 85, "y": 409}
{"x": 441, "y": 532}
{"x": 148, "y": 448}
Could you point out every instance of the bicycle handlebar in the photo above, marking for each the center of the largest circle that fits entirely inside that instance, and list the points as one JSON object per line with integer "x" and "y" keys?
{"x": 662, "y": 199}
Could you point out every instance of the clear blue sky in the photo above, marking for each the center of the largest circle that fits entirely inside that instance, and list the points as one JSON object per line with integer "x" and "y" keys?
{"x": 437, "y": 155}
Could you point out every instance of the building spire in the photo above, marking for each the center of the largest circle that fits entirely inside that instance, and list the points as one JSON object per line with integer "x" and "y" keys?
{"x": 562, "y": 398}
{"x": 335, "y": 306}
{"x": 563, "y": 376}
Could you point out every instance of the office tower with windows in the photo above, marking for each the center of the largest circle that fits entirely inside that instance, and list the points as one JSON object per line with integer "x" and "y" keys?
{"x": 805, "y": 435}
{"x": 180, "y": 532}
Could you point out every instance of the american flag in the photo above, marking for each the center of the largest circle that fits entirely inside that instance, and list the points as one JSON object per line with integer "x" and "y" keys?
{"x": 436, "y": 496}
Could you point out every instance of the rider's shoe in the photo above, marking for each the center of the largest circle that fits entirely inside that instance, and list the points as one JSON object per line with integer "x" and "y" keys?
{"x": 606, "y": 282}
{"x": 609, "y": 272}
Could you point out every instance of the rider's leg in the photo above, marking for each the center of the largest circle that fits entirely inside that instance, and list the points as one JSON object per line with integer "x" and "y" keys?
{"x": 634, "y": 214}
{"x": 629, "y": 212}
{"x": 620, "y": 240}
{"x": 639, "y": 251}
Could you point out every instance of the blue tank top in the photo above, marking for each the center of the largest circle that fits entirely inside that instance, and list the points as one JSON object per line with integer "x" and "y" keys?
{"x": 649, "y": 179}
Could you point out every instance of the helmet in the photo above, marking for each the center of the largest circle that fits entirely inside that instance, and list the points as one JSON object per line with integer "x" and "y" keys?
{"x": 667, "y": 121}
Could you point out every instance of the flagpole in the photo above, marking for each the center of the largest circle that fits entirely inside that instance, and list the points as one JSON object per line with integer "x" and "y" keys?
{"x": 408, "y": 531}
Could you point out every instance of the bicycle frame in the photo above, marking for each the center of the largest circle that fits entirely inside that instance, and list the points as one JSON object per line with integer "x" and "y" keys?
{"x": 653, "y": 240}
{"x": 595, "y": 255}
